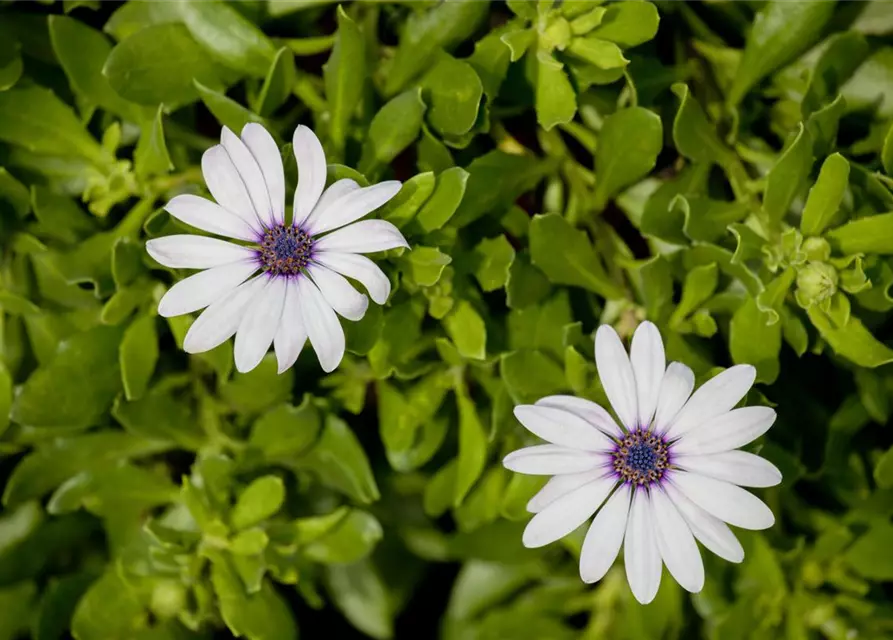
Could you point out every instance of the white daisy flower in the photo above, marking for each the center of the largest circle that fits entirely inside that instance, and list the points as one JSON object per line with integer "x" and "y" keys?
{"x": 668, "y": 476}
{"x": 288, "y": 282}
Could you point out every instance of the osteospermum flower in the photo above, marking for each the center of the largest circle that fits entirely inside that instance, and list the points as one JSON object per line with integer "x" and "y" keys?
{"x": 287, "y": 282}
{"x": 670, "y": 475}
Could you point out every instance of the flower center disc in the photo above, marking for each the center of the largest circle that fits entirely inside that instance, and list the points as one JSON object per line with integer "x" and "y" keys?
{"x": 285, "y": 250}
{"x": 641, "y": 458}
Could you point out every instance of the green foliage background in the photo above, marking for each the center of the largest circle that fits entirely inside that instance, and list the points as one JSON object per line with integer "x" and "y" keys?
{"x": 723, "y": 169}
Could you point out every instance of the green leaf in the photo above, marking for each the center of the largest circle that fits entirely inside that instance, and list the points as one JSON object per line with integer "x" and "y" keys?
{"x": 363, "y": 596}
{"x": 151, "y": 157}
{"x": 787, "y": 177}
{"x": 160, "y": 416}
{"x": 259, "y": 389}
{"x": 491, "y": 62}
{"x": 15, "y": 193}
{"x": 51, "y": 464}
{"x": 453, "y": 92}
{"x": 602, "y": 53}
{"x": 396, "y": 126}
{"x": 228, "y": 112}
{"x": 257, "y": 502}
{"x": 496, "y": 179}
{"x": 628, "y": 23}
{"x": 628, "y": 145}
{"x": 34, "y": 118}
{"x": 130, "y": 18}
{"x": 446, "y": 199}
{"x": 264, "y": 615}
{"x": 872, "y": 234}
{"x": 825, "y": 195}
{"x": 160, "y": 64}
{"x": 5, "y": 397}
{"x": 110, "y": 608}
{"x": 527, "y": 285}
{"x": 340, "y": 462}
{"x": 472, "y": 447}
{"x": 781, "y": 32}
{"x": 493, "y": 262}
{"x": 344, "y": 75}
{"x": 530, "y": 375}
{"x": 278, "y": 83}
{"x": 566, "y": 256}
{"x": 753, "y": 341}
{"x": 351, "y": 540}
{"x": 138, "y": 355}
{"x": 467, "y": 331}
{"x": 852, "y": 340}
{"x": 556, "y": 101}
{"x": 425, "y": 265}
{"x": 58, "y": 394}
{"x": 694, "y": 136}
{"x": 867, "y": 556}
{"x": 887, "y": 152}
{"x": 286, "y": 431}
{"x": 403, "y": 207}
{"x": 840, "y": 58}
{"x": 228, "y": 36}
{"x": 869, "y": 87}
{"x": 425, "y": 33}
{"x": 883, "y": 470}
{"x": 82, "y": 52}
{"x": 105, "y": 492}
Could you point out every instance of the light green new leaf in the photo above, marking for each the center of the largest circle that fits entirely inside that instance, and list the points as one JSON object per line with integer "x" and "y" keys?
{"x": 494, "y": 261}
{"x": 602, "y": 53}
{"x": 781, "y": 32}
{"x": 787, "y": 178}
{"x": 258, "y": 501}
{"x": 82, "y": 52}
{"x": 627, "y": 23}
{"x": 264, "y": 615}
{"x": 466, "y": 329}
{"x": 443, "y": 203}
{"x": 628, "y": 146}
{"x": 344, "y": 75}
{"x": 424, "y": 265}
{"x": 753, "y": 341}
{"x": 138, "y": 355}
{"x": 825, "y": 195}
{"x": 556, "y": 101}
{"x": 403, "y": 207}
{"x": 111, "y": 607}
{"x": 351, "y": 540}
{"x": 852, "y": 341}
{"x": 567, "y": 256}
{"x": 872, "y": 234}
{"x": 34, "y": 118}
{"x": 228, "y": 36}
{"x": 160, "y": 64}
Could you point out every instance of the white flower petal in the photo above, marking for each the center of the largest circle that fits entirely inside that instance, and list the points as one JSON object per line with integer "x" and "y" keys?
{"x": 338, "y": 292}
{"x": 616, "y": 375}
{"x": 649, "y": 362}
{"x": 713, "y": 398}
{"x": 562, "y": 427}
{"x": 566, "y": 513}
{"x": 558, "y": 486}
{"x": 321, "y": 323}
{"x": 365, "y": 236}
{"x": 311, "y": 161}
{"x": 605, "y": 535}
{"x": 551, "y": 459}
{"x": 185, "y": 251}
{"x": 675, "y": 389}
{"x": 711, "y": 531}
{"x": 266, "y": 153}
{"x": 361, "y": 269}
{"x": 726, "y": 501}
{"x": 586, "y": 409}
{"x": 291, "y": 334}
{"x": 331, "y": 195}
{"x": 725, "y": 432}
{"x": 227, "y": 186}
{"x": 738, "y": 467}
{"x": 252, "y": 176}
{"x": 258, "y": 327}
{"x": 352, "y": 206}
{"x": 199, "y": 290}
{"x": 640, "y": 553}
{"x": 676, "y": 543}
{"x": 220, "y": 321}
{"x": 209, "y": 216}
